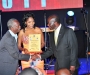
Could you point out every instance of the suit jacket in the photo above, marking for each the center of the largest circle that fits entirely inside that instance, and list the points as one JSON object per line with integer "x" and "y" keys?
{"x": 66, "y": 51}
{"x": 9, "y": 55}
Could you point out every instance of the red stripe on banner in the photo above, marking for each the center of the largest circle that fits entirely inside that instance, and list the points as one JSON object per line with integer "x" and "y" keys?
{"x": 19, "y": 5}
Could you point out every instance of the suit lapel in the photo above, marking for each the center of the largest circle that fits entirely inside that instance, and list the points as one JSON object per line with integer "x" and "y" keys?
{"x": 52, "y": 35}
{"x": 52, "y": 38}
{"x": 60, "y": 35}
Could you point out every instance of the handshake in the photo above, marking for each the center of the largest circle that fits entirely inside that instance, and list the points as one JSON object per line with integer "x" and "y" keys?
{"x": 35, "y": 57}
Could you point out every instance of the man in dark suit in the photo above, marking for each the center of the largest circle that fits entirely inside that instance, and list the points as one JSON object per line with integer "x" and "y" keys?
{"x": 9, "y": 53}
{"x": 63, "y": 44}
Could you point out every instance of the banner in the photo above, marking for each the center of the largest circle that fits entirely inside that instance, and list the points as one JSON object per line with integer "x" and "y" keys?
{"x": 22, "y": 5}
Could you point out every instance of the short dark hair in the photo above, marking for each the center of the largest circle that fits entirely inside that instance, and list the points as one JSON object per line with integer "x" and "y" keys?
{"x": 28, "y": 71}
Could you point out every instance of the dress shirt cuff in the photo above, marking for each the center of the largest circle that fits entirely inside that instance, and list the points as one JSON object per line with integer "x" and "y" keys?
{"x": 30, "y": 57}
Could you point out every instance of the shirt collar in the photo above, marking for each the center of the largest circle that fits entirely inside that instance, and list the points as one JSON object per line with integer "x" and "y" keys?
{"x": 14, "y": 35}
{"x": 58, "y": 28}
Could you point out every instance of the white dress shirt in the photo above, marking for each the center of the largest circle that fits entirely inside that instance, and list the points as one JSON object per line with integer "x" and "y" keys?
{"x": 14, "y": 35}
{"x": 56, "y": 32}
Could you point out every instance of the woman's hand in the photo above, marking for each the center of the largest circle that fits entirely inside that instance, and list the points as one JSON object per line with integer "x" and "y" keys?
{"x": 26, "y": 51}
{"x": 25, "y": 39}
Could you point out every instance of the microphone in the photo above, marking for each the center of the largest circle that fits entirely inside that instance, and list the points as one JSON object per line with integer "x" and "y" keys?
{"x": 84, "y": 11}
{"x": 0, "y": 12}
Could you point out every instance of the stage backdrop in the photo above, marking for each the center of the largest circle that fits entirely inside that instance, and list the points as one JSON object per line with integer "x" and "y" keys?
{"x": 22, "y": 5}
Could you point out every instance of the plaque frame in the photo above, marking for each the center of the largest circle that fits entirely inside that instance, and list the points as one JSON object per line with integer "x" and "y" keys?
{"x": 34, "y": 43}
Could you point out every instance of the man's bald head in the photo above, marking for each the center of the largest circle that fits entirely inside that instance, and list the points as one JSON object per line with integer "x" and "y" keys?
{"x": 28, "y": 71}
{"x": 55, "y": 18}
{"x": 53, "y": 22}
{"x": 63, "y": 71}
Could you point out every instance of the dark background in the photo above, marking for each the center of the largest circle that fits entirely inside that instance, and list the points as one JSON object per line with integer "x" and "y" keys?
{"x": 39, "y": 17}
{"x": 40, "y": 22}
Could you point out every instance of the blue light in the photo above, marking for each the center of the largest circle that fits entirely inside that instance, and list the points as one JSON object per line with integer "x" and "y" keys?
{"x": 70, "y": 13}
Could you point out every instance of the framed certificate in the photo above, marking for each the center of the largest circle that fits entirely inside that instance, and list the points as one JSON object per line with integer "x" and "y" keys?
{"x": 35, "y": 43}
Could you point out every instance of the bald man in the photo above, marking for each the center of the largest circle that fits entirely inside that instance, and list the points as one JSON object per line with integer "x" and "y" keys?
{"x": 63, "y": 71}
{"x": 63, "y": 44}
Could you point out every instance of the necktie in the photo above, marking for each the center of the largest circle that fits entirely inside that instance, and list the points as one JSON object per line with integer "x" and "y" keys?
{"x": 55, "y": 36}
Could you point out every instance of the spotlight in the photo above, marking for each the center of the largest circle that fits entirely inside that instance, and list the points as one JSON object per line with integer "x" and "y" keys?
{"x": 70, "y": 20}
{"x": 70, "y": 13}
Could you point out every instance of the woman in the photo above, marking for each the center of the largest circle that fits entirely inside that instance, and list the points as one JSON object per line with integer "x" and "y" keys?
{"x": 23, "y": 39}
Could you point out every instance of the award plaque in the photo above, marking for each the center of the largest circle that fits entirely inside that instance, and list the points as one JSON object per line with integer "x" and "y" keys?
{"x": 35, "y": 43}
